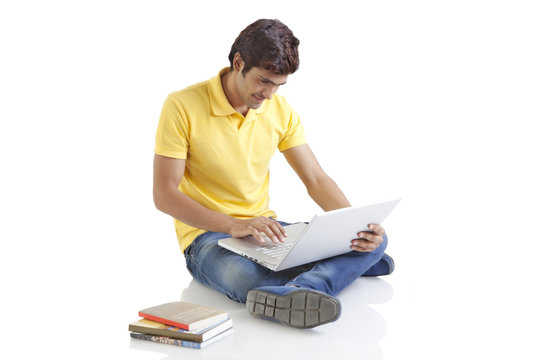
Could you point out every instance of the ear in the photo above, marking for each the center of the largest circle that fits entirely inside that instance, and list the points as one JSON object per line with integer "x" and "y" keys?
{"x": 238, "y": 62}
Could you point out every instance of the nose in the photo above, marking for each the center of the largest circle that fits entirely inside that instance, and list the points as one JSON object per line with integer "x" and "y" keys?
{"x": 269, "y": 91}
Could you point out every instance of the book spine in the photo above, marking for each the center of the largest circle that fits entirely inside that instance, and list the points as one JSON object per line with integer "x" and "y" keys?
{"x": 166, "y": 340}
{"x": 164, "y": 321}
{"x": 176, "y": 334}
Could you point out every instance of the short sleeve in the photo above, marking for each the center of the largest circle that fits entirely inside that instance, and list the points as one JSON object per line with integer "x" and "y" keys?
{"x": 294, "y": 134}
{"x": 172, "y": 137}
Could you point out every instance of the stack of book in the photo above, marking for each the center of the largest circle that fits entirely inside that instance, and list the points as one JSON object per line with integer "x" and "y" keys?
{"x": 183, "y": 324}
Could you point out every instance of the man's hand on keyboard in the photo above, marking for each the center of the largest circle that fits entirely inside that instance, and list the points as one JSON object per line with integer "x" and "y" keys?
{"x": 257, "y": 226}
{"x": 368, "y": 240}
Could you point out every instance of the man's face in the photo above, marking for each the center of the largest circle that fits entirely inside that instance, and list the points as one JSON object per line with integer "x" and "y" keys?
{"x": 258, "y": 85}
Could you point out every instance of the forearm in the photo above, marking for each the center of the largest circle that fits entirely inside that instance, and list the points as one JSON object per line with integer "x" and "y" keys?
{"x": 182, "y": 207}
{"x": 327, "y": 194}
{"x": 185, "y": 209}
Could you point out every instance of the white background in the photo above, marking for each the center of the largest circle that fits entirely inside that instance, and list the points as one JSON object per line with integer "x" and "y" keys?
{"x": 434, "y": 102}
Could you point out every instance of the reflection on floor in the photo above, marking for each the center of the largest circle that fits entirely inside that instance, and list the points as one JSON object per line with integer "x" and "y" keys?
{"x": 355, "y": 335}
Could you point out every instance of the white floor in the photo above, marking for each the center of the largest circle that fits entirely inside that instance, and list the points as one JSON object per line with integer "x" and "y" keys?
{"x": 438, "y": 315}
{"x": 455, "y": 310}
{"x": 358, "y": 332}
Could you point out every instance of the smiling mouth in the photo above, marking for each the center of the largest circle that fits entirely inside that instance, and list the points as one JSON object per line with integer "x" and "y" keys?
{"x": 259, "y": 99}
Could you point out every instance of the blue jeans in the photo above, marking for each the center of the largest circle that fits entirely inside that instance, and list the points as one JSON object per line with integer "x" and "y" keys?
{"x": 235, "y": 276}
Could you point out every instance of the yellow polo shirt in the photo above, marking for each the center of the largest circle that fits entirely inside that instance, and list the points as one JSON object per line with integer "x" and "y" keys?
{"x": 227, "y": 155}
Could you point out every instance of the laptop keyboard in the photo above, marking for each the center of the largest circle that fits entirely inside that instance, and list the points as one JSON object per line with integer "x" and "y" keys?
{"x": 276, "y": 251}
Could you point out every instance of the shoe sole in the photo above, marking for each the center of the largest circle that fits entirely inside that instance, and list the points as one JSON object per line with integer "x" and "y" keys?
{"x": 302, "y": 309}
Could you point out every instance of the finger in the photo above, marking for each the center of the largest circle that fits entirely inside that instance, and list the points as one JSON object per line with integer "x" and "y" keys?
{"x": 378, "y": 229}
{"x": 282, "y": 231}
{"x": 268, "y": 232}
{"x": 371, "y": 237}
{"x": 362, "y": 246}
{"x": 278, "y": 230}
{"x": 258, "y": 229}
{"x": 256, "y": 234}
{"x": 358, "y": 249}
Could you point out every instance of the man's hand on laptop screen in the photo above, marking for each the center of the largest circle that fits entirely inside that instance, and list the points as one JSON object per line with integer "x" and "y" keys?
{"x": 257, "y": 226}
{"x": 368, "y": 240}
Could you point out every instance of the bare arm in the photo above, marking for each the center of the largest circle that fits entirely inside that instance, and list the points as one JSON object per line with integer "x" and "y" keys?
{"x": 322, "y": 189}
{"x": 168, "y": 173}
{"x": 325, "y": 192}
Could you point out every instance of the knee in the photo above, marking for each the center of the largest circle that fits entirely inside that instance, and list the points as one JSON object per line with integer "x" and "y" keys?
{"x": 239, "y": 277}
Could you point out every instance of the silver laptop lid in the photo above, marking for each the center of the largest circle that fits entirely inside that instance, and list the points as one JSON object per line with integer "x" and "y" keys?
{"x": 330, "y": 233}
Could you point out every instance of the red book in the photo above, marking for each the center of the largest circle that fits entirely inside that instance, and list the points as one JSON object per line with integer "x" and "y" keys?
{"x": 184, "y": 315}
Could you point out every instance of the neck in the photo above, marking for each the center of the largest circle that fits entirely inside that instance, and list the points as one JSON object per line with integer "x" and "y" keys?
{"x": 228, "y": 82}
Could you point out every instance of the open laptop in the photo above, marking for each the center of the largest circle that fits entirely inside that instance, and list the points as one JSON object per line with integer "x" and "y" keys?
{"x": 326, "y": 235}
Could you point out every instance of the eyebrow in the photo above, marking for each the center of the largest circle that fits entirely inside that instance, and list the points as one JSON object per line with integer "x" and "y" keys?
{"x": 270, "y": 81}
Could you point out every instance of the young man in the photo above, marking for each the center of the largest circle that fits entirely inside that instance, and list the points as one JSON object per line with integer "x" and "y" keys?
{"x": 214, "y": 143}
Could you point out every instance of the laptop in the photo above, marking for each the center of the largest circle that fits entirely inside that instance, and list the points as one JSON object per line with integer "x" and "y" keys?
{"x": 326, "y": 235}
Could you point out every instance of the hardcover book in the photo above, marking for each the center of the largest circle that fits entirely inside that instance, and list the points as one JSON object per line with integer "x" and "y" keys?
{"x": 184, "y": 315}
{"x": 150, "y": 327}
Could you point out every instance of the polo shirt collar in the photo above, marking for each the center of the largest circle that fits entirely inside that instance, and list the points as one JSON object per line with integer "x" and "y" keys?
{"x": 219, "y": 102}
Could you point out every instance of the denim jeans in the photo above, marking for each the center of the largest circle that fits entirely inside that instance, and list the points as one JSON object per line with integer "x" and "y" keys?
{"x": 235, "y": 275}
